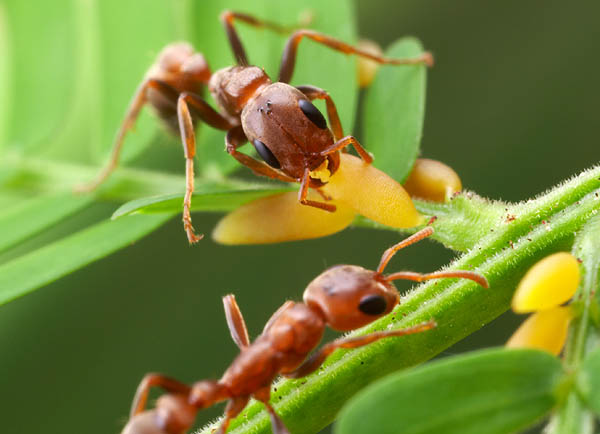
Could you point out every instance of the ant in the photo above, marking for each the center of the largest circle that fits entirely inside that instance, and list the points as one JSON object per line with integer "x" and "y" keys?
{"x": 344, "y": 297}
{"x": 288, "y": 132}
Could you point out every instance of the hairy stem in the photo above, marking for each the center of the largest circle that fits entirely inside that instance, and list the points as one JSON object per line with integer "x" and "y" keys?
{"x": 503, "y": 254}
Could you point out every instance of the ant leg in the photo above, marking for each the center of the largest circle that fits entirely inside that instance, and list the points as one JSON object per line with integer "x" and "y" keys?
{"x": 133, "y": 110}
{"x": 227, "y": 18}
{"x": 389, "y": 253}
{"x": 235, "y": 322}
{"x": 188, "y": 137}
{"x": 236, "y": 138}
{"x": 417, "y": 277}
{"x": 285, "y": 306}
{"x": 288, "y": 60}
{"x": 303, "y": 192}
{"x": 264, "y": 395}
{"x": 317, "y": 359}
{"x": 313, "y": 92}
{"x": 155, "y": 380}
{"x": 349, "y": 140}
{"x": 234, "y": 407}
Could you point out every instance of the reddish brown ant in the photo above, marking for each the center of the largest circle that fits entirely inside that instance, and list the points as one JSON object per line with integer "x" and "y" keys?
{"x": 289, "y": 133}
{"x": 345, "y": 297}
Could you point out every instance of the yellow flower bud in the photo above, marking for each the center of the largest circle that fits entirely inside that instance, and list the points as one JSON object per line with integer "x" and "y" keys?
{"x": 544, "y": 330}
{"x": 432, "y": 180}
{"x": 550, "y": 282}
{"x": 367, "y": 68}
{"x": 279, "y": 218}
{"x": 372, "y": 193}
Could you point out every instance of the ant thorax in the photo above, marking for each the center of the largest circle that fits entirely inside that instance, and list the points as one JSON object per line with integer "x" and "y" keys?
{"x": 233, "y": 87}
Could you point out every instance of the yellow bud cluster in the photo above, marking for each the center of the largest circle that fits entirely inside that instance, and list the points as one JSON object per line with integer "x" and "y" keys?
{"x": 549, "y": 283}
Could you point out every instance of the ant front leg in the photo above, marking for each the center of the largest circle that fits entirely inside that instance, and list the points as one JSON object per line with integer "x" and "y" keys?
{"x": 156, "y": 380}
{"x": 312, "y": 93}
{"x": 317, "y": 359}
{"x": 288, "y": 60}
{"x": 236, "y": 138}
{"x": 303, "y": 193}
{"x": 235, "y": 322}
{"x": 348, "y": 140}
{"x": 188, "y": 136}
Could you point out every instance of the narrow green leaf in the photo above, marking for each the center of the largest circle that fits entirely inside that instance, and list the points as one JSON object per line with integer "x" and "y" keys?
{"x": 394, "y": 111}
{"x": 491, "y": 391}
{"x": 34, "y": 215}
{"x": 45, "y": 265}
{"x": 5, "y": 77}
{"x": 43, "y": 98}
{"x": 210, "y": 200}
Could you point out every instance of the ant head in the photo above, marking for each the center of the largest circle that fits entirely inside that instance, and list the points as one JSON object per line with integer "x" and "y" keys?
{"x": 349, "y": 296}
{"x": 286, "y": 129}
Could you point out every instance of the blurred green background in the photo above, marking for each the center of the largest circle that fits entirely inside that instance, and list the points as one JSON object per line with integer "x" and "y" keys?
{"x": 512, "y": 106}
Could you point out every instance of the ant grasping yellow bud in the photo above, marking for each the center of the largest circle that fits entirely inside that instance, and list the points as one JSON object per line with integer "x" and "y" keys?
{"x": 432, "y": 180}
{"x": 544, "y": 330}
{"x": 550, "y": 282}
{"x": 372, "y": 193}
{"x": 280, "y": 218}
{"x": 367, "y": 68}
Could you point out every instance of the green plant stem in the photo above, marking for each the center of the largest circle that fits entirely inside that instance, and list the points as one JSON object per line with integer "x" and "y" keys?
{"x": 460, "y": 307}
{"x": 584, "y": 337}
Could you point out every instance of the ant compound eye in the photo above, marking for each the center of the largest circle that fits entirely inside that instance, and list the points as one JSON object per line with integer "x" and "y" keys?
{"x": 266, "y": 154}
{"x": 372, "y": 305}
{"x": 312, "y": 113}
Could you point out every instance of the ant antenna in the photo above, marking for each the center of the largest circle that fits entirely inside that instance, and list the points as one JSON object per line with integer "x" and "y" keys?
{"x": 389, "y": 253}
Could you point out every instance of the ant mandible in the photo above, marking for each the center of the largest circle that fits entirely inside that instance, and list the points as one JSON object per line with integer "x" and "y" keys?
{"x": 344, "y": 297}
{"x": 289, "y": 133}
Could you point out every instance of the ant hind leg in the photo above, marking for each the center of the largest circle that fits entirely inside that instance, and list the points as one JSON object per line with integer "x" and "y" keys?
{"x": 264, "y": 395}
{"x": 234, "y": 407}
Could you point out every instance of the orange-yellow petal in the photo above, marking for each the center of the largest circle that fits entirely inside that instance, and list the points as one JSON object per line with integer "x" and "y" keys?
{"x": 367, "y": 68}
{"x": 372, "y": 193}
{"x": 545, "y": 330}
{"x": 279, "y": 218}
{"x": 550, "y": 282}
{"x": 432, "y": 180}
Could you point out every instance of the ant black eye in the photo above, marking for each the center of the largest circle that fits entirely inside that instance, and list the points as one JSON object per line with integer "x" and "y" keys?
{"x": 372, "y": 305}
{"x": 312, "y": 113}
{"x": 266, "y": 154}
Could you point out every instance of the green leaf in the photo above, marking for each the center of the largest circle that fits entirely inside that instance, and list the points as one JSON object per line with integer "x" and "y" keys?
{"x": 394, "y": 111}
{"x": 47, "y": 264}
{"x": 491, "y": 391}
{"x": 4, "y": 77}
{"x": 588, "y": 381}
{"x": 211, "y": 200}
{"x": 38, "y": 100}
{"x": 34, "y": 215}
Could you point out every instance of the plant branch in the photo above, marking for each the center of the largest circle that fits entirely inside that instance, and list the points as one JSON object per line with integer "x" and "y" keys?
{"x": 460, "y": 307}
